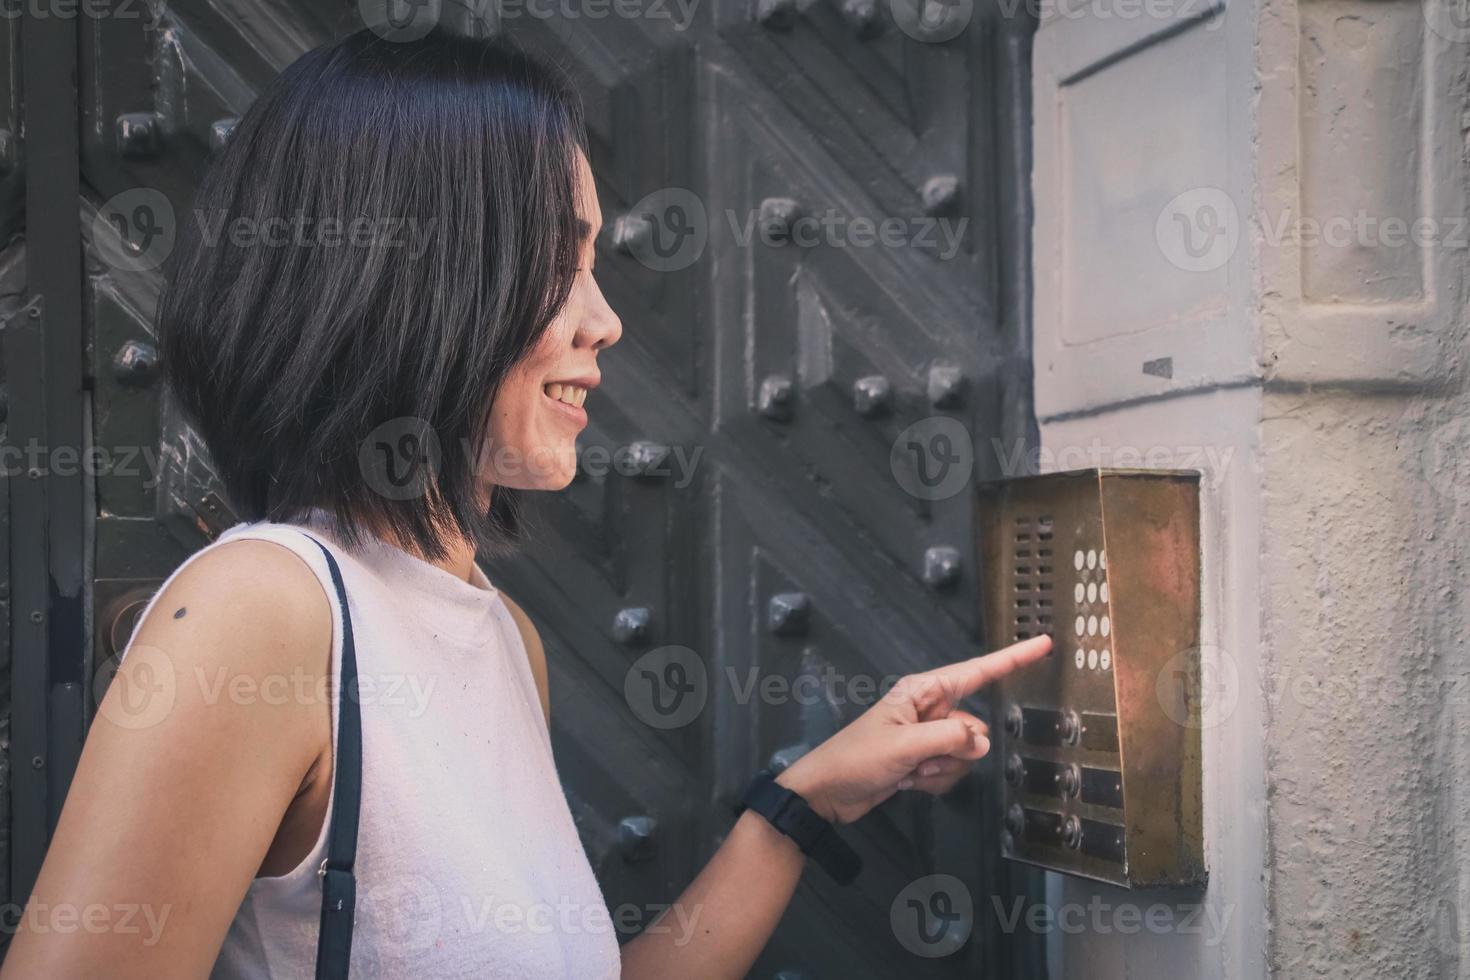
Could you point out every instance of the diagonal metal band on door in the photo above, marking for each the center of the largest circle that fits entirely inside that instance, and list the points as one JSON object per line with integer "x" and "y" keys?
{"x": 44, "y": 355}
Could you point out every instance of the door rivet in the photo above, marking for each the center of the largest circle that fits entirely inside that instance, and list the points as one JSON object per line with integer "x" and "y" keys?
{"x": 632, "y": 234}
{"x": 941, "y": 195}
{"x": 631, "y": 625}
{"x": 784, "y": 757}
{"x": 136, "y": 363}
{"x": 636, "y": 838}
{"x": 777, "y": 216}
{"x": 778, "y": 15}
{"x": 220, "y": 132}
{"x": 946, "y": 385}
{"x": 941, "y": 566}
{"x": 788, "y": 613}
{"x": 872, "y": 396}
{"x": 647, "y": 457}
{"x": 138, "y": 134}
{"x": 864, "y": 17}
{"x": 776, "y": 398}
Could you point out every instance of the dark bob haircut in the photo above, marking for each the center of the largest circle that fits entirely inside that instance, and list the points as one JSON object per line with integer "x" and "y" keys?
{"x": 390, "y": 228}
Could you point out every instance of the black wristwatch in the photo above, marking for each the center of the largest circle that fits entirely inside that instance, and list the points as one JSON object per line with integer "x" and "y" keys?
{"x": 795, "y": 818}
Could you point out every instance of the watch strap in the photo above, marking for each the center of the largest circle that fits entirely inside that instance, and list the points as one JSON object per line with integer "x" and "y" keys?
{"x": 785, "y": 810}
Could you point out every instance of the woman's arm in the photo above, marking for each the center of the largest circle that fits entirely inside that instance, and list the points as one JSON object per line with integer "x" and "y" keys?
{"x": 916, "y": 737}
{"x": 202, "y": 742}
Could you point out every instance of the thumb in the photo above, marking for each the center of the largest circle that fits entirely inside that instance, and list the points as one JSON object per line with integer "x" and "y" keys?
{"x": 925, "y": 739}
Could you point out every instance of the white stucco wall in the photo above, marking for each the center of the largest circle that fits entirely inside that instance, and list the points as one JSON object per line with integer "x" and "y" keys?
{"x": 1220, "y": 933}
{"x": 1251, "y": 258}
{"x": 1365, "y": 487}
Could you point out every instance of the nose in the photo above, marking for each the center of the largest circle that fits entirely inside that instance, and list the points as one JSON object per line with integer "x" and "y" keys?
{"x": 601, "y": 327}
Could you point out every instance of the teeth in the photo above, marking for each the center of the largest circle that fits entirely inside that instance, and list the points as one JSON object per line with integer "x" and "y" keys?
{"x": 569, "y": 394}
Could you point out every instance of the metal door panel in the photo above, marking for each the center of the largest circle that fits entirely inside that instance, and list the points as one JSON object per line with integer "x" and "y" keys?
{"x": 770, "y": 538}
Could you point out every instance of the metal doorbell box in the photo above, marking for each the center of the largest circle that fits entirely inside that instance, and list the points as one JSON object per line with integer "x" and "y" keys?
{"x": 1099, "y": 742}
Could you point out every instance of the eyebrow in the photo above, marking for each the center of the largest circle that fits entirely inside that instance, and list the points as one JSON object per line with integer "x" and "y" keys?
{"x": 584, "y": 230}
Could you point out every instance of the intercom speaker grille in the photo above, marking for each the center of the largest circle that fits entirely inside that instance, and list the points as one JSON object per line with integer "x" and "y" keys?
{"x": 1033, "y": 584}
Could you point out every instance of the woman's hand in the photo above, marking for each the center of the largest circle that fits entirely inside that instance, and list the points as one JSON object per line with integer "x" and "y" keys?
{"x": 914, "y": 738}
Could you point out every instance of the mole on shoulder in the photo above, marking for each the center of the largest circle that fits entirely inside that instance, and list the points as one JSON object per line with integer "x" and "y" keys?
{"x": 182, "y": 611}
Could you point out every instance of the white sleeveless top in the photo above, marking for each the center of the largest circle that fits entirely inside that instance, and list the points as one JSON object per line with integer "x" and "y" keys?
{"x": 468, "y": 861}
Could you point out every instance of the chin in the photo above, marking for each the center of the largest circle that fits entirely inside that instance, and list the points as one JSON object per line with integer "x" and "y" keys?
{"x": 560, "y": 481}
{"x": 540, "y": 468}
{"x": 541, "y": 483}
{"x": 559, "y": 475}
{"x": 558, "y": 478}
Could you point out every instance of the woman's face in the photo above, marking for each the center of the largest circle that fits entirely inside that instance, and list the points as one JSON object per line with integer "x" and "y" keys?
{"x": 538, "y": 411}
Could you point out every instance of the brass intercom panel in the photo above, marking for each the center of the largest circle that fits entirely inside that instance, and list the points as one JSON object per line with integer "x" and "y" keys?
{"x": 1099, "y": 742}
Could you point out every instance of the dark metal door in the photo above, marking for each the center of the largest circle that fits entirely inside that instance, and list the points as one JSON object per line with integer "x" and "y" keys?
{"x": 816, "y": 238}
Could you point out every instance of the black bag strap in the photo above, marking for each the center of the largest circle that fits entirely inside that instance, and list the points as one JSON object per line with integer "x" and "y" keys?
{"x": 339, "y": 886}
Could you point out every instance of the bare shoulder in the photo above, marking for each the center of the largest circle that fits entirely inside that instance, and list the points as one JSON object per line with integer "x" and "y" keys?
{"x": 199, "y": 747}
{"x": 239, "y": 629}
{"x": 260, "y": 588}
{"x": 535, "y": 651}
{"x": 253, "y": 606}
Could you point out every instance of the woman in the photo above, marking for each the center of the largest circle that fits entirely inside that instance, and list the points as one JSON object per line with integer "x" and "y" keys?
{"x": 391, "y": 265}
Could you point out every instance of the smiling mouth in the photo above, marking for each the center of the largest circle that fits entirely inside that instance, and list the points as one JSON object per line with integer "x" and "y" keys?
{"x": 567, "y": 394}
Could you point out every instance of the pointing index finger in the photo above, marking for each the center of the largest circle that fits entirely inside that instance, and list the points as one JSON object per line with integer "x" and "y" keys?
{"x": 968, "y": 676}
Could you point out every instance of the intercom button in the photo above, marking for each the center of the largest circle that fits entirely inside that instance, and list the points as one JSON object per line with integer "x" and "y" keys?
{"x": 1015, "y": 717}
{"x": 1072, "y": 833}
{"x": 1070, "y": 780}
{"x": 1016, "y": 820}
